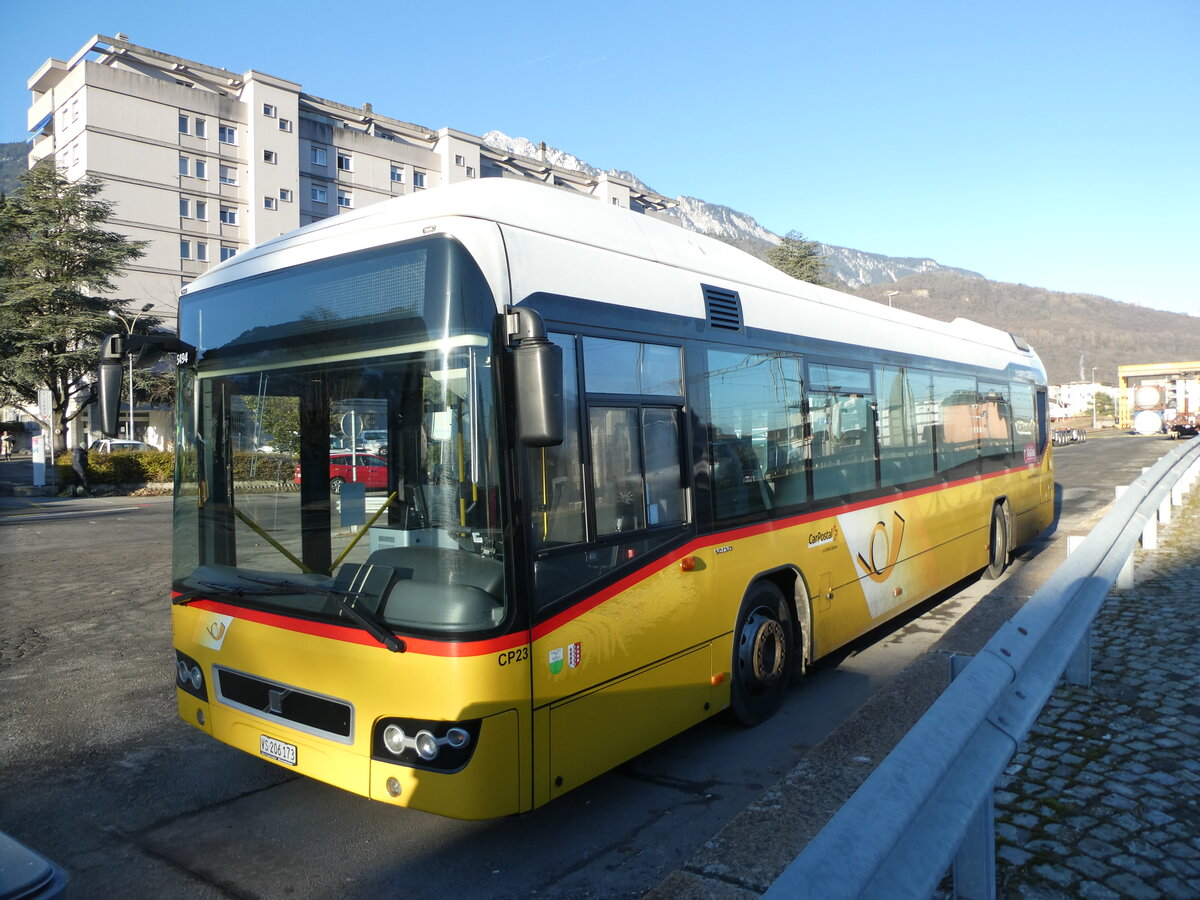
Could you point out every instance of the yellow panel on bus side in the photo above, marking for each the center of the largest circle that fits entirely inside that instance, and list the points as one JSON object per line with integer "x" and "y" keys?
{"x": 592, "y": 733}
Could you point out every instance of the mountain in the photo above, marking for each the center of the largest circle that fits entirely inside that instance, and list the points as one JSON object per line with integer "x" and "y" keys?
{"x": 13, "y": 159}
{"x": 1072, "y": 333}
{"x": 853, "y": 268}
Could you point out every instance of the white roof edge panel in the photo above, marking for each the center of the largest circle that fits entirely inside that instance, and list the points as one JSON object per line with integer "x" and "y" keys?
{"x": 770, "y": 299}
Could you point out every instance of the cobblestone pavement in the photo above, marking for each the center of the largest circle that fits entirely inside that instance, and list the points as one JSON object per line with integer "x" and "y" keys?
{"x": 1102, "y": 801}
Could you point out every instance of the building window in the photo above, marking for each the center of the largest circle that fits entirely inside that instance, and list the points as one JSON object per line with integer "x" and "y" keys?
{"x": 270, "y": 111}
{"x": 228, "y": 253}
{"x": 227, "y": 134}
{"x": 229, "y": 215}
{"x": 185, "y": 249}
{"x": 201, "y": 128}
{"x": 270, "y": 156}
{"x": 318, "y": 195}
{"x": 285, "y": 124}
{"x": 202, "y": 210}
{"x": 201, "y": 169}
{"x": 183, "y": 165}
{"x": 397, "y": 174}
{"x": 183, "y": 124}
{"x": 185, "y": 208}
{"x": 270, "y": 203}
{"x": 460, "y": 160}
{"x": 346, "y": 199}
{"x": 318, "y": 156}
{"x": 470, "y": 171}
{"x": 616, "y": 201}
{"x": 418, "y": 179}
{"x": 228, "y": 175}
{"x": 201, "y": 251}
{"x": 285, "y": 194}
{"x": 344, "y": 162}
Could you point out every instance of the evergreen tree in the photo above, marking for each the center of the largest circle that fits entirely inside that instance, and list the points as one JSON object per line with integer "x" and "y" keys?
{"x": 799, "y": 258}
{"x": 56, "y": 262}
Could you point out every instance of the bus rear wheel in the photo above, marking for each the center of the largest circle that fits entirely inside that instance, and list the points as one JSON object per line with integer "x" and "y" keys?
{"x": 763, "y": 652}
{"x": 997, "y": 544}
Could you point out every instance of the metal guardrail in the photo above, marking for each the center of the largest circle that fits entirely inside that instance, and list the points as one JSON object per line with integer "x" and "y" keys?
{"x": 929, "y": 804}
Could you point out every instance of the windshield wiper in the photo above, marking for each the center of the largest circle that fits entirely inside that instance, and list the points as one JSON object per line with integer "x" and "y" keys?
{"x": 208, "y": 589}
{"x": 345, "y": 601}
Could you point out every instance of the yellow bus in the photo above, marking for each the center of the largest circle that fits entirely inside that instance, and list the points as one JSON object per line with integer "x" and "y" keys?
{"x": 625, "y": 477}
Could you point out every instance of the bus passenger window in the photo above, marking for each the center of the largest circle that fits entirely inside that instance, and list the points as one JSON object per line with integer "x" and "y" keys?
{"x": 756, "y": 432}
{"x": 905, "y": 437}
{"x": 957, "y": 399}
{"x": 995, "y": 425}
{"x": 841, "y": 410}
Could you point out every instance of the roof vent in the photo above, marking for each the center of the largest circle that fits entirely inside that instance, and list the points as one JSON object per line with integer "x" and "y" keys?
{"x": 724, "y": 308}
{"x": 1021, "y": 343}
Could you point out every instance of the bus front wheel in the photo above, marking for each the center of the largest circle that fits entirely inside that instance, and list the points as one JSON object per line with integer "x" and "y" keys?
{"x": 763, "y": 652}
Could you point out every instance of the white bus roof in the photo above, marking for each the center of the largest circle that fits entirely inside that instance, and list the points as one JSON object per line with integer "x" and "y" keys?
{"x": 541, "y": 218}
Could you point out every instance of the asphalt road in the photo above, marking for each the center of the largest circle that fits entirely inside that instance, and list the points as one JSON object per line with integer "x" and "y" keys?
{"x": 97, "y": 773}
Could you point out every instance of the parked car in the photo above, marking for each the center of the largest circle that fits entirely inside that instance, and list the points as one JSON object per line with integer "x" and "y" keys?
{"x": 374, "y": 441}
{"x": 366, "y": 468}
{"x": 113, "y": 445}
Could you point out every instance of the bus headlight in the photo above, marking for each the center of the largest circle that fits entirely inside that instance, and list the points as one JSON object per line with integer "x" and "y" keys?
{"x": 189, "y": 676}
{"x": 394, "y": 739}
{"x": 444, "y": 746}
{"x": 427, "y": 746}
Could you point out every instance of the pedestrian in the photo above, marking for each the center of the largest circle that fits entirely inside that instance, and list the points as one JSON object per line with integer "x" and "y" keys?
{"x": 79, "y": 464}
{"x": 6, "y": 445}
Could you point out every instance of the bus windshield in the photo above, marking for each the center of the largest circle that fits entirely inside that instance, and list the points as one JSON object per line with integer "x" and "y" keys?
{"x": 330, "y": 477}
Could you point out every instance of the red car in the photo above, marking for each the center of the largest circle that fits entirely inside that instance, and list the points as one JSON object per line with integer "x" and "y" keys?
{"x": 370, "y": 470}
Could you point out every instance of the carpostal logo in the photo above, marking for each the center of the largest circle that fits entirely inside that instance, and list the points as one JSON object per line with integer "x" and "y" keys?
{"x": 883, "y": 550}
{"x": 820, "y": 538}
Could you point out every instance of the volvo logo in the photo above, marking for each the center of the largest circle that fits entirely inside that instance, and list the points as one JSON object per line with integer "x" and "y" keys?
{"x": 275, "y": 698}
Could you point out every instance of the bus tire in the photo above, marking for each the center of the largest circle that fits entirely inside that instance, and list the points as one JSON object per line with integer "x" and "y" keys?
{"x": 997, "y": 544}
{"x": 763, "y": 654}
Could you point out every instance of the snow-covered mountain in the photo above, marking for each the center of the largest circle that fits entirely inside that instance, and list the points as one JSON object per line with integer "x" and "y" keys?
{"x": 854, "y": 268}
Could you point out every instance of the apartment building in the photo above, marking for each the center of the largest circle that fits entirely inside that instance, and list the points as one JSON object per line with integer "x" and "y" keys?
{"x": 203, "y": 162}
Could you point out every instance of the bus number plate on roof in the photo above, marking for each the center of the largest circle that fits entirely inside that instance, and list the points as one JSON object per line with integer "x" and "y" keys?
{"x": 277, "y": 750}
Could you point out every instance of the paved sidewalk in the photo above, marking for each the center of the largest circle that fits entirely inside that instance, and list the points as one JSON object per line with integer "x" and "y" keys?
{"x": 1103, "y": 799}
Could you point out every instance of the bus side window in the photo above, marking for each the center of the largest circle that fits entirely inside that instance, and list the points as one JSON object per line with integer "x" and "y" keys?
{"x": 842, "y": 421}
{"x": 756, "y": 430}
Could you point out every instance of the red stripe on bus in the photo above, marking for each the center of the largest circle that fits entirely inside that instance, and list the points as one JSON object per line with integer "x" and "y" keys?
{"x": 351, "y": 635}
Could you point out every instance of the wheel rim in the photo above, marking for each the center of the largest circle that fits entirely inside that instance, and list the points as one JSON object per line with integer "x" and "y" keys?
{"x": 762, "y": 651}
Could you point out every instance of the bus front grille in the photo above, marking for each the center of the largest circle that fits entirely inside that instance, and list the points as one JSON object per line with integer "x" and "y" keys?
{"x": 325, "y": 717}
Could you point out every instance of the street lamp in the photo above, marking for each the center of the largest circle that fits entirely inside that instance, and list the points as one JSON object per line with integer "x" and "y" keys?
{"x": 129, "y": 326}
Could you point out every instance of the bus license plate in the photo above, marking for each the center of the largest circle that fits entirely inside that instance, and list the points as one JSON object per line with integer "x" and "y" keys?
{"x": 277, "y": 750}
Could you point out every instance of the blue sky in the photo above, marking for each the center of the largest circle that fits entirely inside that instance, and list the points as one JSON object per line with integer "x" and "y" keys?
{"x": 1050, "y": 143}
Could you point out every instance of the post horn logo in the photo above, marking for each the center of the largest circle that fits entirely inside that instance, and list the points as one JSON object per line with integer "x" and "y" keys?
{"x": 890, "y": 547}
{"x": 217, "y": 629}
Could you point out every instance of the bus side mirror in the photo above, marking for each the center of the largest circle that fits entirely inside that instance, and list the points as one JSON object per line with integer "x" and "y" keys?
{"x": 108, "y": 381}
{"x": 538, "y": 381}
